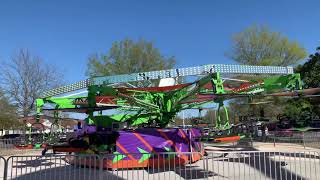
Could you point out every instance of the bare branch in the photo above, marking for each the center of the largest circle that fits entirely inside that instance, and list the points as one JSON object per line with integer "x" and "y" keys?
{"x": 25, "y": 77}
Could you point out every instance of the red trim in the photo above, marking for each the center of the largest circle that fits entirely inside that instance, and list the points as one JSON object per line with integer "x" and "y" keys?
{"x": 227, "y": 139}
{"x": 68, "y": 149}
{"x": 126, "y": 164}
{"x": 144, "y": 142}
{"x": 188, "y": 142}
{"x": 183, "y": 135}
{"x": 24, "y": 146}
{"x": 105, "y": 99}
{"x": 174, "y": 145}
{"x": 193, "y": 135}
{"x": 155, "y": 89}
{"x": 125, "y": 151}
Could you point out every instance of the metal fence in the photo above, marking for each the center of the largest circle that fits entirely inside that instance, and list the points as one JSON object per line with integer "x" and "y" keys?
{"x": 82, "y": 167}
{"x": 311, "y": 139}
{"x": 216, "y": 165}
{"x": 8, "y": 143}
{"x": 264, "y": 165}
{"x": 3, "y": 166}
{"x": 305, "y": 139}
{"x": 49, "y": 168}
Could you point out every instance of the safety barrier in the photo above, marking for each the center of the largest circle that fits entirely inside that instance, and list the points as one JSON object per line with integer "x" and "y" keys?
{"x": 158, "y": 166}
{"x": 52, "y": 167}
{"x": 287, "y": 138}
{"x": 215, "y": 165}
{"x": 118, "y": 166}
{"x": 264, "y": 165}
{"x": 3, "y": 166}
{"x": 306, "y": 139}
{"x": 8, "y": 143}
{"x": 311, "y": 139}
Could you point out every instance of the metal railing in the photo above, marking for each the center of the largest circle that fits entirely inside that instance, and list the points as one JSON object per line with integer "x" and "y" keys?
{"x": 49, "y": 167}
{"x": 264, "y": 165}
{"x": 306, "y": 139}
{"x": 3, "y": 166}
{"x": 82, "y": 167}
{"x": 216, "y": 165}
{"x": 8, "y": 143}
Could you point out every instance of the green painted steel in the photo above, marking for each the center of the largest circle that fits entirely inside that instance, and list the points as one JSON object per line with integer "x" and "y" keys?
{"x": 159, "y": 108}
{"x": 179, "y": 72}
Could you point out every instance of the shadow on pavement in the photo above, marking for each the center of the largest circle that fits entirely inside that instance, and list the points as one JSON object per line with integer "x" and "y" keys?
{"x": 67, "y": 172}
{"x": 265, "y": 164}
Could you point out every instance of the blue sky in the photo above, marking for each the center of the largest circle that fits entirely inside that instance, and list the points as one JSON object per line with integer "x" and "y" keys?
{"x": 65, "y": 33}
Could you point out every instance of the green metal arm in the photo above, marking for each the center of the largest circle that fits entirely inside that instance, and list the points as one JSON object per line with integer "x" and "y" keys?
{"x": 225, "y": 123}
{"x": 162, "y": 107}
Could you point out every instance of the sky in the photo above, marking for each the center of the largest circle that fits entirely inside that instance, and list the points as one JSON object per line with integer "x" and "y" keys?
{"x": 65, "y": 33}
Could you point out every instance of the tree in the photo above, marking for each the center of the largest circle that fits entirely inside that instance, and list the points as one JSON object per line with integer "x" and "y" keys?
{"x": 257, "y": 45}
{"x": 299, "y": 111}
{"x": 257, "y": 108}
{"x": 310, "y": 70}
{"x": 178, "y": 121}
{"x": 25, "y": 77}
{"x": 210, "y": 116}
{"x": 128, "y": 56}
{"x": 310, "y": 75}
{"x": 8, "y": 117}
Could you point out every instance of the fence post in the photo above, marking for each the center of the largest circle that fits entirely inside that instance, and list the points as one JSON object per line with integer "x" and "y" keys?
{"x": 5, "y": 169}
{"x": 303, "y": 139}
{"x": 274, "y": 141}
{"x": 204, "y": 167}
{"x": 207, "y": 167}
{"x": 101, "y": 167}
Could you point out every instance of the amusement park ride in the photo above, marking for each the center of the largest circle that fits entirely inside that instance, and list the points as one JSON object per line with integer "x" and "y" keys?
{"x": 148, "y": 101}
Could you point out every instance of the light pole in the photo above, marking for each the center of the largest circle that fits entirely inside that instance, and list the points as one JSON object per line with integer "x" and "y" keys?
{"x": 183, "y": 119}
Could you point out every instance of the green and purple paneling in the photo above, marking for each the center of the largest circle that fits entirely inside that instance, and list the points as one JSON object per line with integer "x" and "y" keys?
{"x": 151, "y": 147}
{"x": 142, "y": 147}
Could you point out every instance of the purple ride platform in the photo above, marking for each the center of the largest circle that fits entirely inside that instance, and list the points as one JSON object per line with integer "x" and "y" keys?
{"x": 150, "y": 147}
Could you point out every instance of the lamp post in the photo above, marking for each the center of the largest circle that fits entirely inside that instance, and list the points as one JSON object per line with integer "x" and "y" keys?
{"x": 29, "y": 130}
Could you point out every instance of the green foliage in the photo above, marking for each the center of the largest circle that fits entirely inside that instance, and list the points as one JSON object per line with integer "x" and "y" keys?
{"x": 257, "y": 107}
{"x": 310, "y": 71}
{"x": 257, "y": 45}
{"x": 298, "y": 111}
{"x": 296, "y": 106}
{"x": 128, "y": 56}
{"x": 8, "y": 117}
